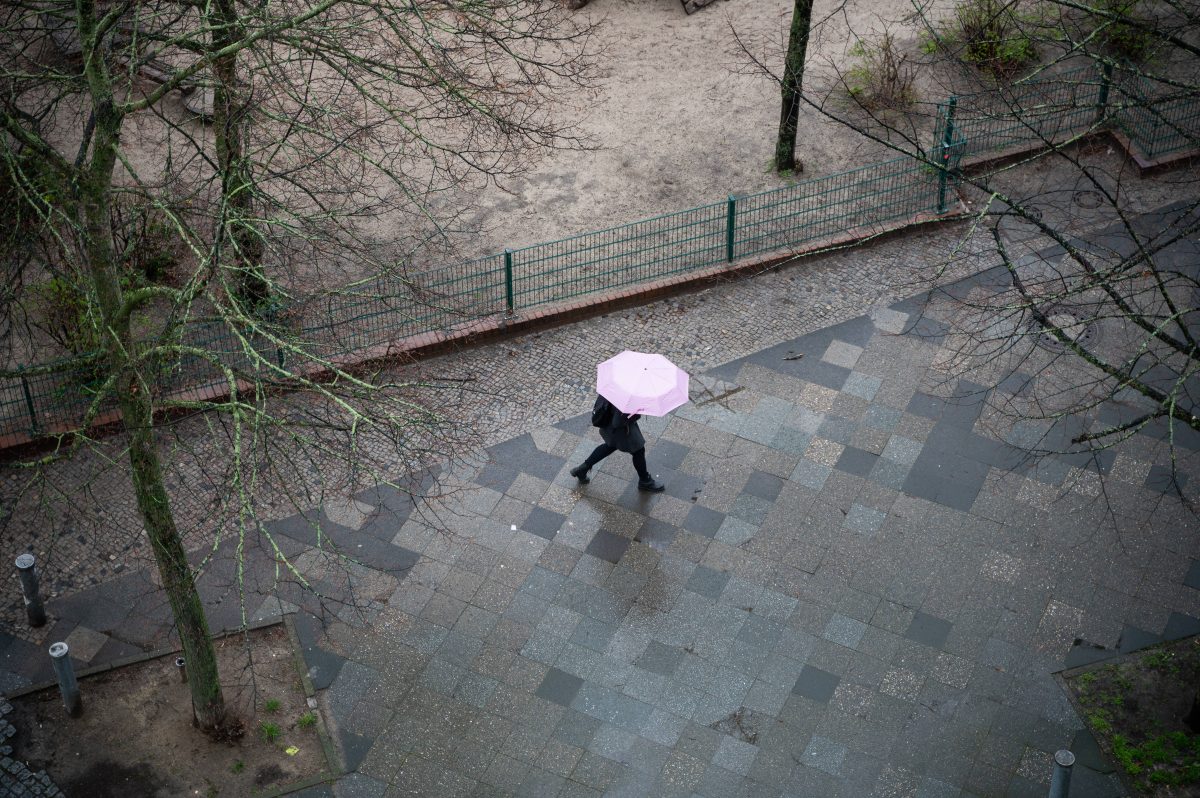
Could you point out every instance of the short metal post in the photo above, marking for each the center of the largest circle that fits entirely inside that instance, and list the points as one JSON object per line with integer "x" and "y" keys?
{"x": 64, "y": 671}
{"x": 35, "y": 612}
{"x": 1105, "y": 85}
{"x": 730, "y": 226}
{"x": 946, "y": 144}
{"x": 181, "y": 665}
{"x": 33, "y": 422}
{"x": 510, "y": 307}
{"x": 1060, "y": 782}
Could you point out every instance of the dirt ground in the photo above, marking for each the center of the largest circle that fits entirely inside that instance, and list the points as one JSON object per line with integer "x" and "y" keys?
{"x": 677, "y": 122}
{"x": 135, "y": 738}
{"x": 1134, "y": 708}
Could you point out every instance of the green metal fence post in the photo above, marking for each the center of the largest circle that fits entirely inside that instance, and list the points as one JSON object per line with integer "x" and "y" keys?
{"x": 33, "y": 422}
{"x": 1105, "y": 85}
{"x": 730, "y": 226}
{"x": 508, "y": 283}
{"x": 946, "y": 143}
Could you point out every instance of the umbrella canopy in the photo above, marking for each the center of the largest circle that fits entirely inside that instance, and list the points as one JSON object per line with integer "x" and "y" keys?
{"x": 637, "y": 382}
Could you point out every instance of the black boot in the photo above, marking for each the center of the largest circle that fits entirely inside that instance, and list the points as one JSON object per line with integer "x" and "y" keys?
{"x": 580, "y": 473}
{"x": 650, "y": 485}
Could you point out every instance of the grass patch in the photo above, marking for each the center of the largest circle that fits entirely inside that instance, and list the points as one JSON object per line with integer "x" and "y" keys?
{"x": 1135, "y": 709}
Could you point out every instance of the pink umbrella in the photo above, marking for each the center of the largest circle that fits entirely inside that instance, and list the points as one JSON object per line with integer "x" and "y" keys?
{"x": 637, "y": 382}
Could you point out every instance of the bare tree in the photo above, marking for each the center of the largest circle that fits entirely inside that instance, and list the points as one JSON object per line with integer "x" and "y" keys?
{"x": 1094, "y": 325}
{"x": 332, "y": 119}
{"x": 791, "y": 87}
{"x": 761, "y": 57}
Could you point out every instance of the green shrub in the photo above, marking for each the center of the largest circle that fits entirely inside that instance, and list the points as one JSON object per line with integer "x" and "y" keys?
{"x": 1121, "y": 39}
{"x": 998, "y": 36}
{"x": 65, "y": 314}
{"x": 307, "y": 720}
{"x": 272, "y": 705}
{"x": 882, "y": 77}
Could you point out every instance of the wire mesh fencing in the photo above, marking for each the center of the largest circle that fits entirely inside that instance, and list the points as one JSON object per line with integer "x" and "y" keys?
{"x": 410, "y": 304}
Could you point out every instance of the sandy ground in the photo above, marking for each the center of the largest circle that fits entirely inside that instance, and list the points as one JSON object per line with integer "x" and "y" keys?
{"x": 678, "y": 122}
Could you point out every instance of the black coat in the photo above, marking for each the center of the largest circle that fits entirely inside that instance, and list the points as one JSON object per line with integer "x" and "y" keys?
{"x": 622, "y": 433}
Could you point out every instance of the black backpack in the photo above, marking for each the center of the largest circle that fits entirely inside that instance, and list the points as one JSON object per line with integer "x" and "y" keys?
{"x": 602, "y": 412}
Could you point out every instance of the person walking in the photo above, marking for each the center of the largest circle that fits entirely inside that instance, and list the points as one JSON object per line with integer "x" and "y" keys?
{"x": 621, "y": 434}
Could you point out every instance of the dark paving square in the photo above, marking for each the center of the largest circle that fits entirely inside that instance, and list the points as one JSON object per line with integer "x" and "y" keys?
{"x": 306, "y": 527}
{"x": 1088, "y": 753}
{"x": 763, "y": 485}
{"x": 958, "y": 495}
{"x": 1192, "y": 579}
{"x": 926, "y": 406}
{"x": 928, "y": 630}
{"x": 497, "y": 476}
{"x": 1180, "y": 626}
{"x": 928, "y": 329}
{"x": 381, "y": 556}
{"x": 543, "y": 523}
{"x": 577, "y": 425}
{"x": 657, "y": 534}
{"x": 522, "y": 454}
{"x": 857, "y": 331}
{"x": 1015, "y": 384}
{"x": 816, "y": 684}
{"x": 354, "y": 748}
{"x": 593, "y": 634}
{"x": 758, "y": 631}
{"x": 703, "y": 521}
{"x": 559, "y": 687}
{"x": 1161, "y": 479}
{"x": 812, "y": 368}
{"x": 660, "y": 658}
{"x": 838, "y": 429}
{"x": 1133, "y": 639}
{"x": 666, "y": 454}
{"x": 856, "y": 461}
{"x": 680, "y": 485}
{"x": 607, "y": 546}
{"x": 1085, "y": 653}
{"x": 707, "y": 582}
{"x": 323, "y": 666}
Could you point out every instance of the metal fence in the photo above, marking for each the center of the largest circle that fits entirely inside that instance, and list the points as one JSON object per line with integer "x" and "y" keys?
{"x": 881, "y": 196}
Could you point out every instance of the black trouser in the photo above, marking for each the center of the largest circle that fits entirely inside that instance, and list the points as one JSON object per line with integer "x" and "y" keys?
{"x": 604, "y": 450}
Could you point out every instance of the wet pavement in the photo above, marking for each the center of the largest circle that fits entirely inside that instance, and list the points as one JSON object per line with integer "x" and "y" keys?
{"x": 857, "y": 583}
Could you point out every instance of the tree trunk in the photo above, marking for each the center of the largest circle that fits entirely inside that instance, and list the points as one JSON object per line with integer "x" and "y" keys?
{"x": 793, "y": 80}
{"x": 242, "y": 239}
{"x": 1192, "y": 718}
{"x": 94, "y": 190}
{"x": 208, "y": 704}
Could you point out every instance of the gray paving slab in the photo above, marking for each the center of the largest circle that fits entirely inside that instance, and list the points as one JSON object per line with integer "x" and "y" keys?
{"x": 835, "y": 595}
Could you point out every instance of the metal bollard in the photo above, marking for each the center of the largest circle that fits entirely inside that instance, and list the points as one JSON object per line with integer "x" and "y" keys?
{"x": 1060, "y": 782}
{"x": 67, "y": 685}
{"x": 35, "y": 612}
{"x": 182, "y": 666}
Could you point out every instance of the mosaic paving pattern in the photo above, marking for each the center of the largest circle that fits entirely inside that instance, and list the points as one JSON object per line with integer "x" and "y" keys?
{"x": 849, "y": 588}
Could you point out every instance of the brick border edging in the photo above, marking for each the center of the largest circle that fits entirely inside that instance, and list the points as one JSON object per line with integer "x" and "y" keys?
{"x": 490, "y": 328}
{"x": 145, "y": 656}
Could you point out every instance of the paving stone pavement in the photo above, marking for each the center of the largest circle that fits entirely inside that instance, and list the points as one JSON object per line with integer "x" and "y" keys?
{"x": 851, "y": 587}
{"x": 816, "y": 606}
